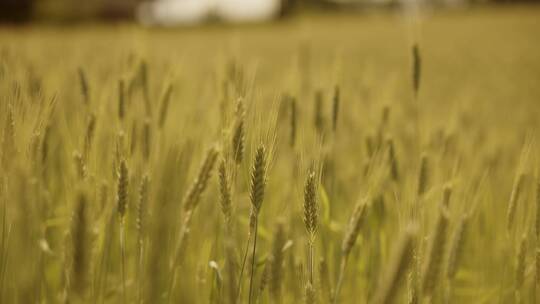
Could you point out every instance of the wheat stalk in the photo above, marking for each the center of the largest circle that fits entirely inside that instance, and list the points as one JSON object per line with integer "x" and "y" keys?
{"x": 397, "y": 269}
{"x": 310, "y": 296}
{"x": 514, "y": 198}
{"x": 277, "y": 258}
{"x": 190, "y": 202}
{"x": 435, "y": 255}
{"x": 226, "y": 209}
{"x": 351, "y": 234}
{"x": 122, "y": 196}
{"x": 256, "y": 195}
{"x": 456, "y": 249}
{"x": 80, "y": 241}
{"x": 142, "y": 208}
{"x": 311, "y": 223}
{"x": 521, "y": 263}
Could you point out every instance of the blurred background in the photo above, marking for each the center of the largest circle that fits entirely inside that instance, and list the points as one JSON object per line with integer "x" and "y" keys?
{"x": 186, "y": 12}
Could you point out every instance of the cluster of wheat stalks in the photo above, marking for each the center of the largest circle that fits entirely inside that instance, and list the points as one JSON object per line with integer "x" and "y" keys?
{"x": 121, "y": 185}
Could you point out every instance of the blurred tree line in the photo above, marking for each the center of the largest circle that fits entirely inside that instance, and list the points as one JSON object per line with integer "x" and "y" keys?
{"x": 13, "y": 11}
{"x": 66, "y": 10}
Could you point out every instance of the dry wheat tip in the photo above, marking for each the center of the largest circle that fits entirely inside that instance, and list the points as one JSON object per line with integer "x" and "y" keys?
{"x": 258, "y": 178}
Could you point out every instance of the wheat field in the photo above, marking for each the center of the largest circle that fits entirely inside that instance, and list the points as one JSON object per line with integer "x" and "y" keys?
{"x": 338, "y": 158}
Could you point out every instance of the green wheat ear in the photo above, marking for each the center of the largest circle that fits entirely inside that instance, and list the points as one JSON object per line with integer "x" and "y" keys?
{"x": 239, "y": 137}
{"x": 310, "y": 205}
{"x": 258, "y": 179}
{"x": 122, "y": 193}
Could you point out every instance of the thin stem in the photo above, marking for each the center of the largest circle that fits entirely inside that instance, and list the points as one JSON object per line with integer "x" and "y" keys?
{"x": 140, "y": 272}
{"x": 238, "y": 289}
{"x": 340, "y": 279}
{"x": 177, "y": 252}
{"x": 102, "y": 271}
{"x": 171, "y": 284}
{"x": 253, "y": 258}
{"x": 123, "y": 262}
{"x": 310, "y": 262}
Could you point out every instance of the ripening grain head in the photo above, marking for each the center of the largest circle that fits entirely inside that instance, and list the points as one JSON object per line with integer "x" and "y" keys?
{"x": 258, "y": 178}
{"x": 310, "y": 205}
{"x": 122, "y": 190}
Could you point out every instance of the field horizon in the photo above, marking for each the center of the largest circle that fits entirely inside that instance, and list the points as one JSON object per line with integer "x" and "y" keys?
{"x": 329, "y": 158}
